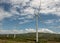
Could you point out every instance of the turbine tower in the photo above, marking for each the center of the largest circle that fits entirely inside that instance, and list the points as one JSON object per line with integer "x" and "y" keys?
{"x": 36, "y": 28}
{"x": 36, "y": 12}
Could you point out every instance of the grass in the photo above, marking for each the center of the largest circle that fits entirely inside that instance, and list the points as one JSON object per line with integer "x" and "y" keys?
{"x": 30, "y": 38}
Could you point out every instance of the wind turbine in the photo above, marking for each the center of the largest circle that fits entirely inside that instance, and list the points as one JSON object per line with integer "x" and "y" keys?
{"x": 36, "y": 12}
{"x": 14, "y": 35}
{"x": 36, "y": 27}
{"x": 7, "y": 35}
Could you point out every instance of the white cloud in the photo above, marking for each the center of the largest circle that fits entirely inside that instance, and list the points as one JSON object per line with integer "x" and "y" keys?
{"x": 4, "y": 1}
{"x": 49, "y": 21}
{"x": 47, "y": 6}
{"x": 58, "y": 20}
{"x": 29, "y": 16}
{"x": 25, "y": 21}
{"x": 46, "y": 31}
{"x": 13, "y": 10}
{"x": 21, "y": 18}
{"x": 4, "y": 14}
{"x": 30, "y": 30}
{"x": 35, "y": 3}
{"x": 19, "y": 1}
{"x": 11, "y": 31}
{"x": 52, "y": 21}
{"x": 56, "y": 27}
{"x": 16, "y": 1}
{"x": 29, "y": 10}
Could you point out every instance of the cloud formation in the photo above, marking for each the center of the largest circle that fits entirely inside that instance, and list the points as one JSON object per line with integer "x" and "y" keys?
{"x": 30, "y": 30}
{"x": 28, "y": 6}
{"x": 25, "y": 9}
{"x": 4, "y": 14}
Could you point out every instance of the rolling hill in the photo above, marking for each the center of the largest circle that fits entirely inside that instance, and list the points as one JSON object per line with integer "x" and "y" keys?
{"x": 43, "y": 37}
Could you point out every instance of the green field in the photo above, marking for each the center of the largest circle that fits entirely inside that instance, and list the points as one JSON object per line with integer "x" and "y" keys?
{"x": 30, "y": 38}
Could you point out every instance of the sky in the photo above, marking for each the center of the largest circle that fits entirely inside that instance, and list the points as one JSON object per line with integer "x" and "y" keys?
{"x": 18, "y": 16}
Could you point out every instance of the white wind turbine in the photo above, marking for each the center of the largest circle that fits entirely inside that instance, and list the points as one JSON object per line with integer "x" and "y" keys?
{"x": 37, "y": 12}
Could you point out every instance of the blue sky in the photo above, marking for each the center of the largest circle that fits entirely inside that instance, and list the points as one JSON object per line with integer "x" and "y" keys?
{"x": 19, "y": 14}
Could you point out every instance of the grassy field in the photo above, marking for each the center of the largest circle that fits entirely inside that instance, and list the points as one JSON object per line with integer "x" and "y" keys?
{"x": 8, "y": 41}
{"x": 30, "y": 38}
